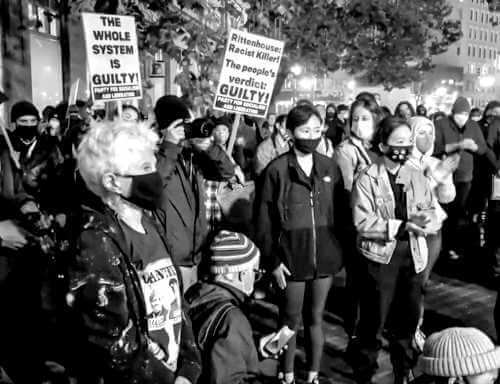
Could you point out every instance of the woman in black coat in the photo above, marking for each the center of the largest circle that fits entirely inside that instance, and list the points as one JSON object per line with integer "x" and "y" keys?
{"x": 296, "y": 230}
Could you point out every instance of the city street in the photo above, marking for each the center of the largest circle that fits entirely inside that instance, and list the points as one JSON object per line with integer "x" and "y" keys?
{"x": 450, "y": 301}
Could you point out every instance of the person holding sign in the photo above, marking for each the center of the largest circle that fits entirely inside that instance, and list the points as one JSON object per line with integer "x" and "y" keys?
{"x": 300, "y": 216}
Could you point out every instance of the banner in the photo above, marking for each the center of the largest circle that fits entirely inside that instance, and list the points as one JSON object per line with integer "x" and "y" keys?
{"x": 248, "y": 74}
{"x": 112, "y": 57}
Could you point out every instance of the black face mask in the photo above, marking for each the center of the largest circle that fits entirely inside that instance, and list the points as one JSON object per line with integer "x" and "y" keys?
{"x": 399, "y": 153}
{"x": 306, "y": 145}
{"x": 26, "y": 133}
{"x": 146, "y": 190}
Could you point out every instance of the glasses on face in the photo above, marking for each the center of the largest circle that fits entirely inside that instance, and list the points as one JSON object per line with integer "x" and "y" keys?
{"x": 259, "y": 273}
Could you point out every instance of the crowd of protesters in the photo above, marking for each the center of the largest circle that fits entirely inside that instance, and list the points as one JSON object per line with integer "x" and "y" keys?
{"x": 130, "y": 248}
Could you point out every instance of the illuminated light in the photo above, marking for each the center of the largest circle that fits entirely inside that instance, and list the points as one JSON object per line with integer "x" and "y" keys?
{"x": 306, "y": 83}
{"x": 296, "y": 69}
{"x": 351, "y": 84}
{"x": 441, "y": 91}
{"x": 486, "y": 81}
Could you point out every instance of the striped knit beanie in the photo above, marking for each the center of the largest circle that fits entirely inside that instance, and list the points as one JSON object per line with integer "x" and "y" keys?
{"x": 459, "y": 352}
{"x": 232, "y": 252}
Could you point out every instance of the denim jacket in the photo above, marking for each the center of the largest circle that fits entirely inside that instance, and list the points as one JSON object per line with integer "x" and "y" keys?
{"x": 374, "y": 213}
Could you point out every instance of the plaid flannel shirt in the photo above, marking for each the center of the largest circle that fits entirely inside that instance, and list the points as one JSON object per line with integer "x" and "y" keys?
{"x": 213, "y": 210}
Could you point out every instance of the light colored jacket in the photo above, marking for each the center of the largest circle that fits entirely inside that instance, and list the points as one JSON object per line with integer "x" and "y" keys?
{"x": 374, "y": 213}
{"x": 441, "y": 181}
{"x": 268, "y": 150}
{"x": 325, "y": 147}
{"x": 352, "y": 158}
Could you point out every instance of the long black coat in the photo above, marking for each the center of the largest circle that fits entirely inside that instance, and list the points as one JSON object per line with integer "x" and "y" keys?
{"x": 299, "y": 218}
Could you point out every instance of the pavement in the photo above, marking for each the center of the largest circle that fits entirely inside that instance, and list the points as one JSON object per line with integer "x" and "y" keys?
{"x": 450, "y": 301}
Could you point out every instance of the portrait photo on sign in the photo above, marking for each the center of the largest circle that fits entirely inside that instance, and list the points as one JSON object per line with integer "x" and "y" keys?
{"x": 157, "y": 69}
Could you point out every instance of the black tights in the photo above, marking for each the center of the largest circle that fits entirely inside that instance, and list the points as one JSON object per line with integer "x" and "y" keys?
{"x": 306, "y": 298}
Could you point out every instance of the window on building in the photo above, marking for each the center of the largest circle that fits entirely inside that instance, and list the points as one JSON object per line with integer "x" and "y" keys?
{"x": 43, "y": 20}
{"x": 470, "y": 33}
{"x": 491, "y": 37}
{"x": 471, "y": 14}
{"x": 475, "y": 15}
{"x": 484, "y": 53}
{"x": 482, "y": 17}
{"x": 491, "y": 54}
{"x": 468, "y": 50}
{"x": 475, "y": 34}
{"x": 458, "y": 51}
{"x": 460, "y": 13}
{"x": 473, "y": 51}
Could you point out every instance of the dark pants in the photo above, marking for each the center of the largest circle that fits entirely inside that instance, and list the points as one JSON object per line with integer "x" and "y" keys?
{"x": 391, "y": 299}
{"x": 21, "y": 328}
{"x": 306, "y": 298}
{"x": 434, "y": 243}
{"x": 454, "y": 235}
{"x": 494, "y": 251}
{"x": 353, "y": 286}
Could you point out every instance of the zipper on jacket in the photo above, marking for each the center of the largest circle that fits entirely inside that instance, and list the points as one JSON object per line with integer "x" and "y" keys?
{"x": 313, "y": 217}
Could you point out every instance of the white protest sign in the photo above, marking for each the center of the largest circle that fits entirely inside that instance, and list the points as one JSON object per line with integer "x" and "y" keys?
{"x": 112, "y": 56}
{"x": 248, "y": 74}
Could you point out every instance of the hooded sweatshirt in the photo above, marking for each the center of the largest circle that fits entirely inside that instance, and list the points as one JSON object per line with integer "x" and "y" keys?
{"x": 441, "y": 182}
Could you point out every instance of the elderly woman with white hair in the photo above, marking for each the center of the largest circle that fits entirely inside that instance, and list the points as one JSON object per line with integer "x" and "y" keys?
{"x": 125, "y": 290}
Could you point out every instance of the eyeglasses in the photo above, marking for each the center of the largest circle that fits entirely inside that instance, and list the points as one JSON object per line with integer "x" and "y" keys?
{"x": 259, "y": 273}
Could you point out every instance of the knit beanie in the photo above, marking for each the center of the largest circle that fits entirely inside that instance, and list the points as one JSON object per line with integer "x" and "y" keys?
{"x": 459, "y": 352}
{"x": 232, "y": 252}
{"x": 168, "y": 109}
{"x": 461, "y": 106}
{"x": 23, "y": 108}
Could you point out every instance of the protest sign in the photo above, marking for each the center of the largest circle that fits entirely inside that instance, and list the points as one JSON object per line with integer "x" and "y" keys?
{"x": 112, "y": 56}
{"x": 248, "y": 74}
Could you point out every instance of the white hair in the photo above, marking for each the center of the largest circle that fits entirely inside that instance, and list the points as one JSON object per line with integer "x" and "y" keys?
{"x": 106, "y": 147}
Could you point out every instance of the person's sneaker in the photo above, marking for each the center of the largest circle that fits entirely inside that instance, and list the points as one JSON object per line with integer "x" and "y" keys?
{"x": 453, "y": 255}
{"x": 314, "y": 381}
{"x": 418, "y": 340}
{"x": 281, "y": 379}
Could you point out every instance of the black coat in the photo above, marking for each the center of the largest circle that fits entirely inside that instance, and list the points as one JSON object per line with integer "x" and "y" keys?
{"x": 109, "y": 326}
{"x": 225, "y": 336}
{"x": 300, "y": 218}
{"x": 183, "y": 198}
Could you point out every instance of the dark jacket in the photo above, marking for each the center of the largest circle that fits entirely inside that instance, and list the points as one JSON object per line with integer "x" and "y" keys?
{"x": 224, "y": 335}
{"x": 183, "y": 196}
{"x": 299, "y": 218}
{"x": 109, "y": 312}
{"x": 447, "y": 132}
{"x": 336, "y": 130}
{"x": 12, "y": 192}
{"x": 42, "y": 172}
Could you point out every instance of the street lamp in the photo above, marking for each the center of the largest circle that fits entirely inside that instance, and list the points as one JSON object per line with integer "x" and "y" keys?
{"x": 351, "y": 85}
{"x": 296, "y": 69}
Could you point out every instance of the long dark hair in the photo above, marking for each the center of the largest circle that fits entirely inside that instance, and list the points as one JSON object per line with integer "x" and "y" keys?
{"x": 397, "y": 111}
{"x": 385, "y": 129}
{"x": 369, "y": 104}
{"x": 300, "y": 115}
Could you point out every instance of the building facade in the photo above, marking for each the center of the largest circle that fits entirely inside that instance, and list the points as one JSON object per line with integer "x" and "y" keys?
{"x": 42, "y": 51}
{"x": 477, "y": 54}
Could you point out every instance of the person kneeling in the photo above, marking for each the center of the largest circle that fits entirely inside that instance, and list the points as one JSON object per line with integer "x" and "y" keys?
{"x": 223, "y": 331}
